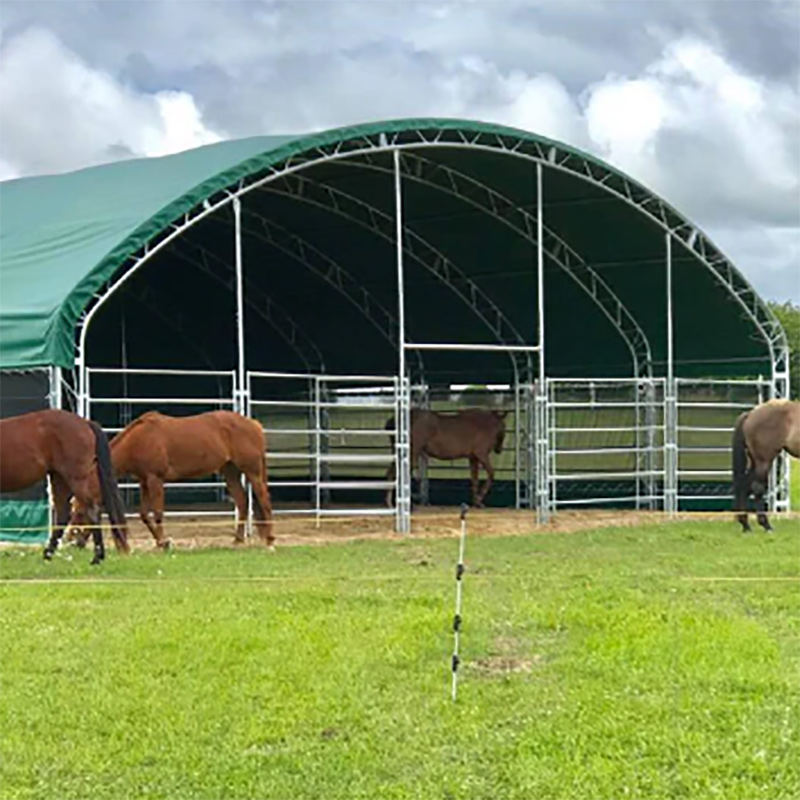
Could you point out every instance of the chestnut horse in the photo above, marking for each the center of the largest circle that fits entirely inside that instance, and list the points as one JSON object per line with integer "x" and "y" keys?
{"x": 759, "y": 436}
{"x": 156, "y": 448}
{"x": 74, "y": 453}
{"x": 472, "y": 433}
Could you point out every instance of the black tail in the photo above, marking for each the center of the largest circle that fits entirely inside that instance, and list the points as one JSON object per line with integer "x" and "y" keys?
{"x": 109, "y": 489}
{"x": 739, "y": 446}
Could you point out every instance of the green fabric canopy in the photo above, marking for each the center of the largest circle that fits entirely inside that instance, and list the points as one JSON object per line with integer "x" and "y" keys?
{"x": 62, "y": 237}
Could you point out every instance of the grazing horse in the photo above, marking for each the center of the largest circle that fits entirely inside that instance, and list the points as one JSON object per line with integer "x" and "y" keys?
{"x": 472, "y": 433}
{"x": 74, "y": 453}
{"x": 156, "y": 448}
{"x": 759, "y": 436}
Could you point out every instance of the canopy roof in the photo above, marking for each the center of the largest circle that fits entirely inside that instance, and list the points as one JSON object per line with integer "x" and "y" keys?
{"x": 318, "y": 247}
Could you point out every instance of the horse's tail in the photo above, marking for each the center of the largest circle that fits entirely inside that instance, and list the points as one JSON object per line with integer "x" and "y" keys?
{"x": 109, "y": 490}
{"x": 739, "y": 447}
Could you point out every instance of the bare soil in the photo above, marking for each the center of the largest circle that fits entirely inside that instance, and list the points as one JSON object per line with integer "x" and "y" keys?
{"x": 192, "y": 531}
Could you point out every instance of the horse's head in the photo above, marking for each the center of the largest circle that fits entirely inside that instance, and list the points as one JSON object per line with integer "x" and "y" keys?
{"x": 77, "y": 529}
{"x": 501, "y": 430}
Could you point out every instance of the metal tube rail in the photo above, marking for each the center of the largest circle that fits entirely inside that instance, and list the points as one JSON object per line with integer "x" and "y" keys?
{"x": 591, "y": 476}
{"x": 150, "y": 371}
{"x": 164, "y": 400}
{"x": 585, "y": 501}
{"x": 499, "y": 348}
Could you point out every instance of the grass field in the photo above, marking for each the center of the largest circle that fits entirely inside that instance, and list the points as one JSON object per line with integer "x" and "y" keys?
{"x": 602, "y": 664}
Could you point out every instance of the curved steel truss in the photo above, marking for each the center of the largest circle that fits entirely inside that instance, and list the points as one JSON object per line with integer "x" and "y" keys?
{"x": 501, "y": 208}
{"x": 317, "y": 262}
{"x": 321, "y": 195}
{"x": 550, "y": 154}
{"x": 259, "y": 302}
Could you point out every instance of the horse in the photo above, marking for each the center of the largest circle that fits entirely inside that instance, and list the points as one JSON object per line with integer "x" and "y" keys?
{"x": 758, "y": 437}
{"x": 155, "y": 448}
{"x": 74, "y": 453}
{"x": 472, "y": 433}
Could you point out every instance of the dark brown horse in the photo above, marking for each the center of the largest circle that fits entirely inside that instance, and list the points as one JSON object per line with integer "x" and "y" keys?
{"x": 759, "y": 436}
{"x": 74, "y": 453}
{"x": 472, "y": 433}
{"x": 156, "y": 448}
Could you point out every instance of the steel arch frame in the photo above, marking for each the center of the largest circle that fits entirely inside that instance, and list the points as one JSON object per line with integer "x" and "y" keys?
{"x": 266, "y": 312}
{"x": 570, "y": 262}
{"x": 425, "y": 254}
{"x": 548, "y": 154}
{"x": 331, "y": 272}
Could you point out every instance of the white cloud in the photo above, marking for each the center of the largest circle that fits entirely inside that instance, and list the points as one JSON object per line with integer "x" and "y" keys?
{"x": 716, "y": 139}
{"x": 717, "y": 142}
{"x": 59, "y": 113}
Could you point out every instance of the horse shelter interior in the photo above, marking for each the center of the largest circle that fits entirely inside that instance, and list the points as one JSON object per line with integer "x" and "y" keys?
{"x": 328, "y": 283}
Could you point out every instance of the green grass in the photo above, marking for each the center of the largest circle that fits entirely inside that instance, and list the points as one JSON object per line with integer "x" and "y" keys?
{"x": 594, "y": 667}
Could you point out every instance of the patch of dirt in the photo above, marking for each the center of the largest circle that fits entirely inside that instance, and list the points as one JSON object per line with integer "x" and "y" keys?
{"x": 502, "y": 665}
{"x": 192, "y": 531}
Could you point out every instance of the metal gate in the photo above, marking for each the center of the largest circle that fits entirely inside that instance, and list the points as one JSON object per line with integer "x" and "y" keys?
{"x": 328, "y": 444}
{"x": 115, "y": 396}
{"x": 606, "y": 442}
{"x": 706, "y": 414}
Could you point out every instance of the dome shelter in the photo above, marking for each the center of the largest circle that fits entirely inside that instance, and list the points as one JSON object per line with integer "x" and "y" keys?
{"x": 452, "y": 253}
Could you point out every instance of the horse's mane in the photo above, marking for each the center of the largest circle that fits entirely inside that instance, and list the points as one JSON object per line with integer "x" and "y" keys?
{"x": 138, "y": 422}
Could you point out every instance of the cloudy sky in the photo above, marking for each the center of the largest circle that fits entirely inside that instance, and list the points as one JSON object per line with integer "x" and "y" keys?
{"x": 698, "y": 99}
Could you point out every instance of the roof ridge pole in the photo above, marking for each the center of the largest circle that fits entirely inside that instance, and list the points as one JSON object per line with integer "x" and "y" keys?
{"x": 241, "y": 404}
{"x": 542, "y": 473}
{"x": 403, "y": 416}
{"x": 671, "y": 400}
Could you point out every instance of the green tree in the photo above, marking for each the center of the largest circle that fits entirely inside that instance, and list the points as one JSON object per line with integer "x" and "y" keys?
{"x": 789, "y": 316}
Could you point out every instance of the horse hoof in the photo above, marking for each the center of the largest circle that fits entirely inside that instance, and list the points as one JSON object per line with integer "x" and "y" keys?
{"x": 95, "y": 561}
{"x": 166, "y": 545}
{"x": 271, "y": 547}
{"x": 47, "y": 555}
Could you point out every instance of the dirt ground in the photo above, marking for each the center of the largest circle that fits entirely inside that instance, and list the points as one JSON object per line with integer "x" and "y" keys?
{"x": 188, "y": 532}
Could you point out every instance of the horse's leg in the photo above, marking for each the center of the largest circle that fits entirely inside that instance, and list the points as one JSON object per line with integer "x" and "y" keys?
{"x": 148, "y": 514}
{"x": 152, "y": 487}
{"x": 742, "y": 495}
{"x": 97, "y": 536}
{"x": 487, "y": 465}
{"x": 473, "y": 479}
{"x": 61, "y": 494}
{"x": 232, "y": 476}
{"x": 263, "y": 507}
{"x": 760, "y": 484}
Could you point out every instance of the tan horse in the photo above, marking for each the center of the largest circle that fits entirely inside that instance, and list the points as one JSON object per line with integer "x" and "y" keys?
{"x": 74, "y": 453}
{"x": 759, "y": 436}
{"x": 472, "y": 433}
{"x": 156, "y": 448}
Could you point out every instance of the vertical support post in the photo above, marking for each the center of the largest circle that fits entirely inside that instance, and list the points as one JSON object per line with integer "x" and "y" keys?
{"x": 779, "y": 389}
{"x": 318, "y": 453}
{"x": 241, "y": 390}
{"x": 402, "y": 437}
{"x": 54, "y": 401}
{"x": 650, "y": 441}
{"x": 517, "y": 445}
{"x": 542, "y": 417}
{"x": 54, "y": 395}
{"x": 671, "y": 401}
{"x": 424, "y": 401}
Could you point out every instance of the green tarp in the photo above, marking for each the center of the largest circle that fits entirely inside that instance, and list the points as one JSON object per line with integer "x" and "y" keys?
{"x": 24, "y": 521}
{"x": 63, "y": 236}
